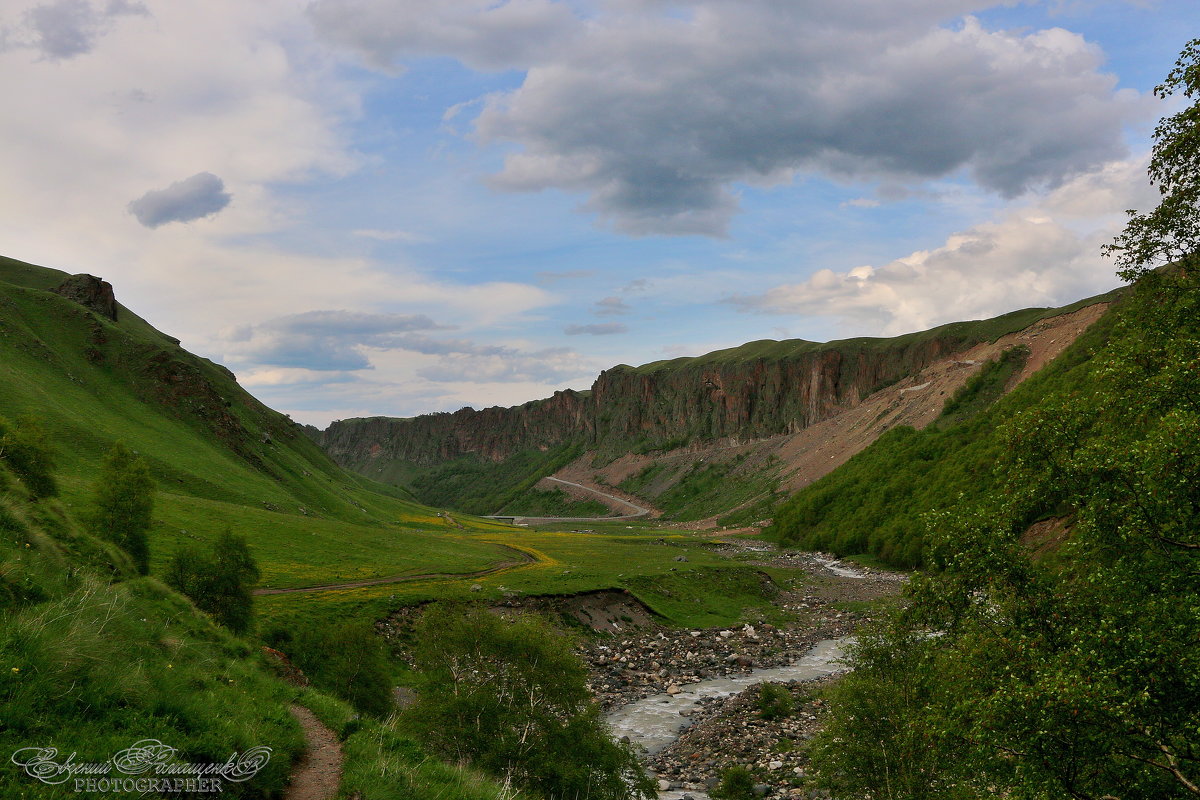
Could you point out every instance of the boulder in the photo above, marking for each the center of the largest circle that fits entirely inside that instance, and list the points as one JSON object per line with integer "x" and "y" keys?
{"x": 90, "y": 292}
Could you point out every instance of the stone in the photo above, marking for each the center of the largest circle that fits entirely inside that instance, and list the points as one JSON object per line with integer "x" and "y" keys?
{"x": 673, "y": 689}
{"x": 664, "y": 785}
{"x": 775, "y": 765}
{"x": 681, "y": 559}
{"x": 90, "y": 292}
{"x": 475, "y": 587}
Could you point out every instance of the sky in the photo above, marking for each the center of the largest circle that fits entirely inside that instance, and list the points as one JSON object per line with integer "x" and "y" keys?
{"x": 390, "y": 207}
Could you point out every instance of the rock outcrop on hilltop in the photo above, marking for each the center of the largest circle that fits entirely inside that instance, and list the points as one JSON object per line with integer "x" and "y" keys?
{"x": 90, "y": 292}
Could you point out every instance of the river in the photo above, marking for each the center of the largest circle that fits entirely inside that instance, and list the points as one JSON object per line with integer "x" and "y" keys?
{"x": 655, "y": 722}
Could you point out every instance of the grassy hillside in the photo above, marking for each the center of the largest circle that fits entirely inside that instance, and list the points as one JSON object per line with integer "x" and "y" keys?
{"x": 877, "y": 501}
{"x": 219, "y": 457}
{"x": 957, "y": 335}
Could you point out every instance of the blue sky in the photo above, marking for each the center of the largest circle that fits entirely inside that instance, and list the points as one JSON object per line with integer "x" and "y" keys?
{"x": 367, "y": 207}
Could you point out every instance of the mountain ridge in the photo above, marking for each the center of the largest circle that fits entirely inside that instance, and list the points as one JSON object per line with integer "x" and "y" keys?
{"x": 721, "y": 400}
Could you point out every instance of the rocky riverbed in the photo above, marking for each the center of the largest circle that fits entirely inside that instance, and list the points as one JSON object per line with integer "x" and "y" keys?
{"x": 730, "y": 731}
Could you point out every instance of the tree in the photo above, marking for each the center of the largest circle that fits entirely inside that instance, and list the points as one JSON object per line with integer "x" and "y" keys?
{"x": 509, "y": 696}
{"x": 347, "y": 659}
{"x": 221, "y": 583}
{"x": 1075, "y": 674}
{"x": 124, "y": 503}
{"x": 1171, "y": 232}
{"x": 27, "y": 451}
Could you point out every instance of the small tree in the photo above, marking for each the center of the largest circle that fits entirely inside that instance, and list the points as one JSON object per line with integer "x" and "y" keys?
{"x": 510, "y": 697}
{"x": 347, "y": 659}
{"x": 124, "y": 503}
{"x": 26, "y": 450}
{"x": 219, "y": 584}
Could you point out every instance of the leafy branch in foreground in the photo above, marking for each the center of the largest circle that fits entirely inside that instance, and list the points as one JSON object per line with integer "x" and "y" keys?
{"x": 1074, "y": 673}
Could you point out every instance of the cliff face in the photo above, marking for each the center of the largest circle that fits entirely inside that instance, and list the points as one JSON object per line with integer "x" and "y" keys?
{"x": 664, "y": 405}
{"x": 493, "y": 433}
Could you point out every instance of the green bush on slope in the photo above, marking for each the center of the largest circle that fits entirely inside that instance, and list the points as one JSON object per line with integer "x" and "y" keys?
{"x": 1079, "y": 675}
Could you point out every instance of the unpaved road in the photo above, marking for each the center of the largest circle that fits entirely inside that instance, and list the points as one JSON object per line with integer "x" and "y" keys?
{"x": 525, "y": 558}
{"x": 637, "y": 511}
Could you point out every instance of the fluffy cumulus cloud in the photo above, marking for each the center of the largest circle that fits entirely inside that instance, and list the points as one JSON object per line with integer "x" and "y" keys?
{"x": 657, "y": 114}
{"x": 199, "y": 196}
{"x": 1043, "y": 255}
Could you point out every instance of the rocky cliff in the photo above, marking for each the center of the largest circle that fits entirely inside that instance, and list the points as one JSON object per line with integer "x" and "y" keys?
{"x": 758, "y": 390}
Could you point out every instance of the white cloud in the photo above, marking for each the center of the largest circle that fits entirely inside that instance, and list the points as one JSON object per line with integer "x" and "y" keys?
{"x": 1042, "y": 255}
{"x": 657, "y": 113}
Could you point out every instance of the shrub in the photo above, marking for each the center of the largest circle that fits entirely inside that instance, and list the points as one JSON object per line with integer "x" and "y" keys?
{"x": 348, "y": 660}
{"x": 774, "y": 701}
{"x": 124, "y": 503}
{"x": 511, "y": 697}
{"x": 219, "y": 584}
{"x": 737, "y": 783}
{"x": 27, "y": 452}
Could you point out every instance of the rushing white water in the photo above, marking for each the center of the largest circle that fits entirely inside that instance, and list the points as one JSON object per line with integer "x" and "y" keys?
{"x": 655, "y": 722}
{"x": 838, "y": 567}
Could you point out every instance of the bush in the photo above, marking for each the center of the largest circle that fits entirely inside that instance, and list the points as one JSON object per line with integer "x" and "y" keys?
{"x": 124, "y": 503}
{"x": 219, "y": 584}
{"x": 737, "y": 783}
{"x": 774, "y": 701}
{"x": 27, "y": 452}
{"x": 511, "y": 697}
{"x": 348, "y": 660}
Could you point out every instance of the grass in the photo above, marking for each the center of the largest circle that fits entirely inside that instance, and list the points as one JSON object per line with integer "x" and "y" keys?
{"x": 641, "y": 559}
{"x": 876, "y": 503}
{"x": 554, "y": 503}
{"x": 691, "y": 491}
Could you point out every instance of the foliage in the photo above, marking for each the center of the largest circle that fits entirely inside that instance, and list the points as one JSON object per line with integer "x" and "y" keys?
{"x": 347, "y": 659}
{"x": 883, "y": 739}
{"x": 984, "y": 387}
{"x": 221, "y": 583}
{"x": 27, "y": 451}
{"x": 876, "y": 502}
{"x": 774, "y": 701}
{"x": 124, "y": 503}
{"x": 1170, "y": 232}
{"x": 510, "y": 697}
{"x": 737, "y": 783}
{"x": 1076, "y": 675}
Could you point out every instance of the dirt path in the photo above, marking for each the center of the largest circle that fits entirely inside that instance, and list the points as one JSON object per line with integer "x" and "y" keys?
{"x": 636, "y": 511}
{"x": 318, "y": 774}
{"x": 525, "y": 558}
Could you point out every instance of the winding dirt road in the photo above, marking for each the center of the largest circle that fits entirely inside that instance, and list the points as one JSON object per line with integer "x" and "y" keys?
{"x": 637, "y": 511}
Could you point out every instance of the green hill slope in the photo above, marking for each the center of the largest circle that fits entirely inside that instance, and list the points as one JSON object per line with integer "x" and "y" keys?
{"x": 877, "y": 502}
{"x": 219, "y": 457}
